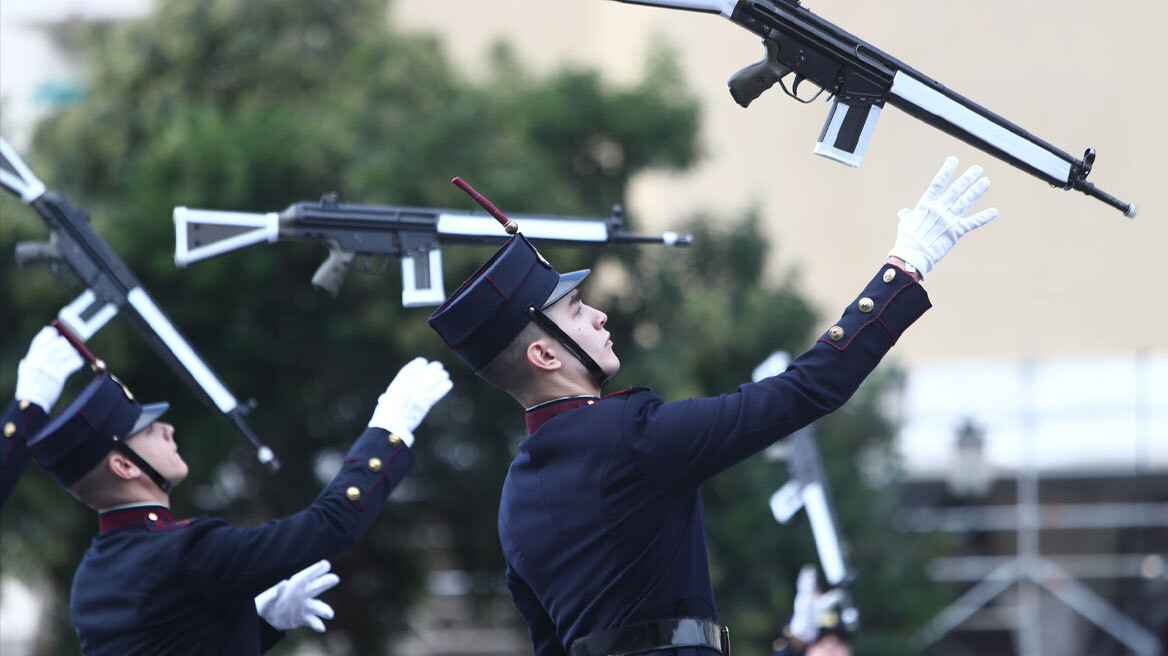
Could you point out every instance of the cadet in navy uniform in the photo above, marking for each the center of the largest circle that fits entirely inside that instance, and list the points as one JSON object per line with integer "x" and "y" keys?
{"x": 40, "y": 377}
{"x": 151, "y": 585}
{"x": 600, "y": 517}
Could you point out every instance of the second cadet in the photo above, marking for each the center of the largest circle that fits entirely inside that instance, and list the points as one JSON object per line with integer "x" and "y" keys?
{"x": 150, "y": 584}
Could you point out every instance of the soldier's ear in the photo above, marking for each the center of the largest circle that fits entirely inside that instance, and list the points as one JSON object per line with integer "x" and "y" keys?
{"x": 122, "y": 467}
{"x": 543, "y": 355}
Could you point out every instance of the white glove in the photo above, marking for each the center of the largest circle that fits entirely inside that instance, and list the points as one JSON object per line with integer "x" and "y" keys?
{"x": 929, "y": 230}
{"x": 809, "y": 604}
{"x": 414, "y": 390}
{"x": 41, "y": 375}
{"x": 291, "y": 603}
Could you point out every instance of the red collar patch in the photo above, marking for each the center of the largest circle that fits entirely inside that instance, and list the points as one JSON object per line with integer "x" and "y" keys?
{"x": 540, "y": 414}
{"x": 150, "y": 515}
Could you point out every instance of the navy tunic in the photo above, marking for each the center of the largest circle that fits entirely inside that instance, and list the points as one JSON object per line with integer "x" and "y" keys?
{"x": 601, "y": 519}
{"x": 150, "y": 585}
{"x": 21, "y": 421}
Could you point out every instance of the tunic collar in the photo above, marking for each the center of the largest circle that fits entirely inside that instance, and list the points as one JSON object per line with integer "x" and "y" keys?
{"x": 112, "y": 520}
{"x": 539, "y": 415}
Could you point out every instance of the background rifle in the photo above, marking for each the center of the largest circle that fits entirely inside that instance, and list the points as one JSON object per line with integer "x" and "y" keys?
{"x": 862, "y": 78}
{"x": 808, "y": 488}
{"x": 410, "y": 233}
{"x": 111, "y": 288}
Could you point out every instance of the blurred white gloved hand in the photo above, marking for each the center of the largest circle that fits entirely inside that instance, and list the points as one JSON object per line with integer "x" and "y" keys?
{"x": 292, "y": 603}
{"x": 41, "y": 375}
{"x": 414, "y": 390}
{"x": 809, "y": 605}
{"x": 929, "y": 230}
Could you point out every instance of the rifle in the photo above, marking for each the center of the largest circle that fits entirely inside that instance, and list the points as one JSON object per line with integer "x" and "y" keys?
{"x": 112, "y": 288}
{"x": 861, "y": 78}
{"x": 412, "y": 234}
{"x": 808, "y": 488}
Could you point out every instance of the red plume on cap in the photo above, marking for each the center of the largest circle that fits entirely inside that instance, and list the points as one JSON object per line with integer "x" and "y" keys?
{"x": 510, "y": 226}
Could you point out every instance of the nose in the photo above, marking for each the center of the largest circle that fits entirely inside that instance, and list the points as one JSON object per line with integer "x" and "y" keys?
{"x": 167, "y": 431}
{"x": 601, "y": 318}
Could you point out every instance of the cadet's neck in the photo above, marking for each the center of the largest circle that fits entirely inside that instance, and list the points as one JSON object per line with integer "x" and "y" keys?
{"x": 558, "y": 387}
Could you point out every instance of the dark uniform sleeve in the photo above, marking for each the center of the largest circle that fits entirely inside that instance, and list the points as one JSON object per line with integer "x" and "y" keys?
{"x": 684, "y": 443}
{"x": 21, "y": 421}
{"x": 229, "y": 563}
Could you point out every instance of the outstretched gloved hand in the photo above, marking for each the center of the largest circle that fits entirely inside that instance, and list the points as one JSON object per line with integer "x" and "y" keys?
{"x": 809, "y": 605}
{"x": 292, "y": 602}
{"x": 929, "y": 230}
{"x": 414, "y": 390}
{"x": 41, "y": 375}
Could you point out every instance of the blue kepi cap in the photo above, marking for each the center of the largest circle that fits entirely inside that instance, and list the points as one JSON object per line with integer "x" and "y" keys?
{"x": 76, "y": 440}
{"x": 489, "y": 309}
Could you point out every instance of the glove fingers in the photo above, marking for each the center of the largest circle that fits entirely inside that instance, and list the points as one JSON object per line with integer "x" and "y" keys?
{"x": 313, "y": 571}
{"x": 960, "y": 186}
{"x": 970, "y": 197}
{"x": 806, "y": 580}
{"x": 981, "y": 218}
{"x": 941, "y": 179}
{"x": 316, "y": 608}
{"x": 317, "y": 586}
{"x": 829, "y": 599}
{"x": 43, "y": 338}
{"x": 313, "y": 623}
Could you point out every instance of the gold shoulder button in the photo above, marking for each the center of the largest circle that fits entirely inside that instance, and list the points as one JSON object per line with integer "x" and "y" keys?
{"x": 353, "y": 493}
{"x": 375, "y": 464}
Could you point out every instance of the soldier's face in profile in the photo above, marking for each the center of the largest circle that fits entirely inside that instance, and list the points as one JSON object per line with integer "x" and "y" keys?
{"x": 156, "y": 444}
{"x": 585, "y": 324}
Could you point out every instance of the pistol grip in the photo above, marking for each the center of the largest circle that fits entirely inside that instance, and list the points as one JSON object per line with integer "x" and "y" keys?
{"x": 749, "y": 82}
{"x": 331, "y": 273}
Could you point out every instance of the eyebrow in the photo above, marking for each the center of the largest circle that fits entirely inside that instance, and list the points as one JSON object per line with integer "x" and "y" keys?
{"x": 574, "y": 296}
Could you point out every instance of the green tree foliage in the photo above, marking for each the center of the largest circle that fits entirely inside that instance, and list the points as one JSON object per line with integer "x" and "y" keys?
{"x": 253, "y": 105}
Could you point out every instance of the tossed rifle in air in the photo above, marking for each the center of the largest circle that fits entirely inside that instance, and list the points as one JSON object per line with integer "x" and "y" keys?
{"x": 862, "y": 78}
{"x": 413, "y": 234}
{"x": 112, "y": 288}
{"x": 807, "y": 488}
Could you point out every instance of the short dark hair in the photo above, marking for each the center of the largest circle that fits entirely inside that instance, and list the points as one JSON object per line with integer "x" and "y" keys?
{"x": 509, "y": 369}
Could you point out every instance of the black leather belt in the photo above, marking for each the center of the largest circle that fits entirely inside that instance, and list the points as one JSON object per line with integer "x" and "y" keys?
{"x": 654, "y": 636}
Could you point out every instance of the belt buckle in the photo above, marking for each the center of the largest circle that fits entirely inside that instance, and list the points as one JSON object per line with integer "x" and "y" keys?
{"x": 725, "y": 641}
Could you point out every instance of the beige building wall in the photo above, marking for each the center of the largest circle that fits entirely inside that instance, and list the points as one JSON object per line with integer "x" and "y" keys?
{"x": 1057, "y": 274}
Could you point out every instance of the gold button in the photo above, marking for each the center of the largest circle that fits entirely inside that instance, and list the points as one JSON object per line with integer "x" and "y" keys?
{"x": 353, "y": 493}
{"x": 152, "y": 517}
{"x": 836, "y": 333}
{"x": 394, "y": 440}
{"x": 375, "y": 464}
{"x": 591, "y": 402}
{"x": 24, "y": 403}
{"x": 9, "y": 429}
{"x": 866, "y": 305}
{"x": 889, "y": 275}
